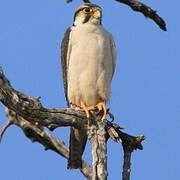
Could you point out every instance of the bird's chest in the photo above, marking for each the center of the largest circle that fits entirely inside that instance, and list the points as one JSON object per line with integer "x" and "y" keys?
{"x": 89, "y": 39}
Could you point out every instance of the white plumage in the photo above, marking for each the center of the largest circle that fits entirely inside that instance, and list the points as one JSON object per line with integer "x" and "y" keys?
{"x": 91, "y": 62}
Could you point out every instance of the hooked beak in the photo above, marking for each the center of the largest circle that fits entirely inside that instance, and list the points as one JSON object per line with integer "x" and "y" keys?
{"x": 97, "y": 14}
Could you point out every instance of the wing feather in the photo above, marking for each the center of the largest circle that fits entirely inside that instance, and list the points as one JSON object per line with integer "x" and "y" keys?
{"x": 65, "y": 51}
{"x": 114, "y": 53}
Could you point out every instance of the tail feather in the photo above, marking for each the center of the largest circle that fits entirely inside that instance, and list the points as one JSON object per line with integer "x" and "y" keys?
{"x": 77, "y": 145}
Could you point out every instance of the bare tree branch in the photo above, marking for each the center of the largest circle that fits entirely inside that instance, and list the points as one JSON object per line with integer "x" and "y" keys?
{"x": 146, "y": 11}
{"x": 32, "y": 110}
{"x": 28, "y": 114}
{"x": 97, "y": 136}
{"x": 7, "y": 124}
{"x": 36, "y": 133}
{"x": 142, "y": 8}
{"x": 129, "y": 143}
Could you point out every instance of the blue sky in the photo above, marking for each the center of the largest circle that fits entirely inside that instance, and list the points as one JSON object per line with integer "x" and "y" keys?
{"x": 145, "y": 89}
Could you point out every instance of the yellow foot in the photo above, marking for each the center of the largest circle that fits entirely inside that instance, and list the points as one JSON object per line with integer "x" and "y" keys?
{"x": 86, "y": 108}
{"x": 101, "y": 106}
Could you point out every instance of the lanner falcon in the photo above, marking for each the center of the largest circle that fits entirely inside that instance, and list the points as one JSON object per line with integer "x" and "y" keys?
{"x": 88, "y": 58}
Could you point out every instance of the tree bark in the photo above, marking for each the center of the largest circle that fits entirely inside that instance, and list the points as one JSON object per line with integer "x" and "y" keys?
{"x": 97, "y": 137}
{"x": 126, "y": 166}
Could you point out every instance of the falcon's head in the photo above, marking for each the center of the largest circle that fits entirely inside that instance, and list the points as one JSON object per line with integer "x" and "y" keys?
{"x": 88, "y": 13}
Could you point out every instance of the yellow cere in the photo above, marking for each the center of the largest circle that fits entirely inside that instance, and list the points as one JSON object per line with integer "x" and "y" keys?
{"x": 97, "y": 13}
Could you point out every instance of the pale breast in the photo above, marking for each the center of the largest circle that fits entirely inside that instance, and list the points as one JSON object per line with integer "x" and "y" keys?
{"x": 90, "y": 65}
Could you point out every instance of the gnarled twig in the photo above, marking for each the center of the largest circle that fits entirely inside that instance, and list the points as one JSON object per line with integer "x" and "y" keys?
{"x": 6, "y": 125}
{"x": 146, "y": 11}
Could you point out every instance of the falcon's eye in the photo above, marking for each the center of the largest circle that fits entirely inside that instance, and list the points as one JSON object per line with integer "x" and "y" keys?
{"x": 87, "y": 10}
